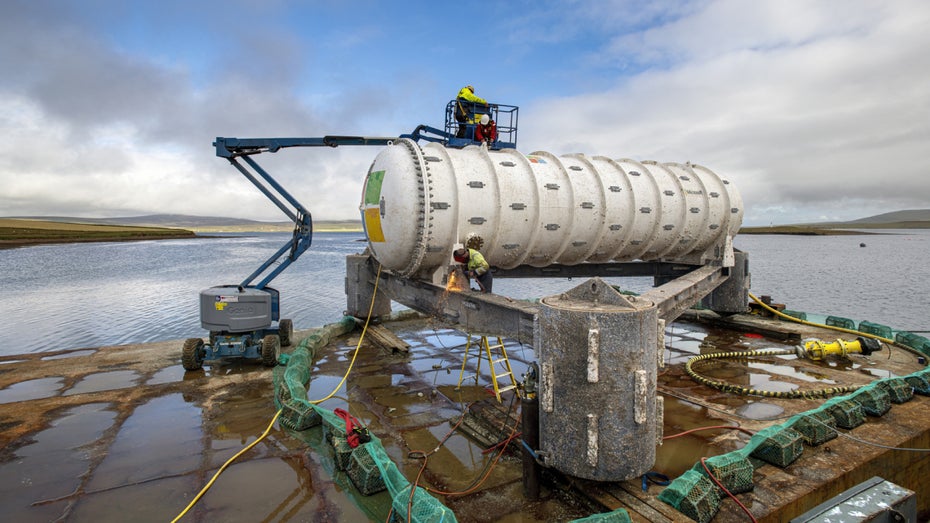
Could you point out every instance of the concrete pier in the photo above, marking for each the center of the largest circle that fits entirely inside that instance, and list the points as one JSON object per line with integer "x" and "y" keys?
{"x": 598, "y": 353}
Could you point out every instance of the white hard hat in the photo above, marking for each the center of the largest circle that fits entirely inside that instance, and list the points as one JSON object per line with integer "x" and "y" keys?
{"x": 485, "y": 119}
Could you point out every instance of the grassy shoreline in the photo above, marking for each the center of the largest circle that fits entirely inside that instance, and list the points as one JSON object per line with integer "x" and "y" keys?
{"x": 23, "y": 233}
{"x": 15, "y": 232}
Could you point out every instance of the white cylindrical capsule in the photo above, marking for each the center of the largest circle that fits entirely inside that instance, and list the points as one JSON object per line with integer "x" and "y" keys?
{"x": 539, "y": 209}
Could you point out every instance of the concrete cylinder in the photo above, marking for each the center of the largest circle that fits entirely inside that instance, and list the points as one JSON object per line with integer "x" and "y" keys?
{"x": 597, "y": 391}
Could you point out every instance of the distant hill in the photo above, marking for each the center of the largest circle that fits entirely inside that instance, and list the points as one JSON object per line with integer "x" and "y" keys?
{"x": 204, "y": 223}
{"x": 913, "y": 215}
{"x": 908, "y": 219}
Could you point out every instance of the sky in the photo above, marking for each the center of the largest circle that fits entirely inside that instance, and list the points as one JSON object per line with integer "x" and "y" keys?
{"x": 815, "y": 110}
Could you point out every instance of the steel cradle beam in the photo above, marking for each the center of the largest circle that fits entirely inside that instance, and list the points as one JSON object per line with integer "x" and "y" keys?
{"x": 474, "y": 312}
{"x": 683, "y": 292}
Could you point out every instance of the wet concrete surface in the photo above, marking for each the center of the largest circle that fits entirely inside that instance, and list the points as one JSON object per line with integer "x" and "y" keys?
{"x": 117, "y": 433}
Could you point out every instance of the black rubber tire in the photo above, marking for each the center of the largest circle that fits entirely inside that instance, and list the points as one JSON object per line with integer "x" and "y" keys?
{"x": 285, "y": 332}
{"x": 192, "y": 354}
{"x": 271, "y": 347}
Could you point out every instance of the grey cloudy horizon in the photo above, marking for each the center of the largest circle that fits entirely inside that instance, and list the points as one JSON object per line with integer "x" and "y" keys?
{"x": 817, "y": 111}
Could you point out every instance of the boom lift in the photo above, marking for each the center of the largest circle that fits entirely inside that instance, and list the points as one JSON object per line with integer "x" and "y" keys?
{"x": 240, "y": 318}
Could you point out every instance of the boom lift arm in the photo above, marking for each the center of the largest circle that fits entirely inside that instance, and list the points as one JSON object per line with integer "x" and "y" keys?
{"x": 240, "y": 317}
{"x": 235, "y": 148}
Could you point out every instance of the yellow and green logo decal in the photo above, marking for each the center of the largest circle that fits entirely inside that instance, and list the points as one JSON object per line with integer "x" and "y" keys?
{"x": 372, "y": 206}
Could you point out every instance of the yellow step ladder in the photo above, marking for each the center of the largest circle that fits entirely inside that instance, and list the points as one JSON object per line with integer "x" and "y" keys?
{"x": 501, "y": 363}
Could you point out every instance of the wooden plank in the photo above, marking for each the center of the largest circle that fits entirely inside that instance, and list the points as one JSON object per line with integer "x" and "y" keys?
{"x": 387, "y": 340}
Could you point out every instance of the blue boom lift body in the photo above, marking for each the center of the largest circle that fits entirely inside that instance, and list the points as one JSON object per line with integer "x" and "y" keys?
{"x": 241, "y": 318}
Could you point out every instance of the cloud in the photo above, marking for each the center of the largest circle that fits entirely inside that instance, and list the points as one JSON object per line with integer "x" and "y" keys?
{"x": 810, "y": 108}
{"x": 91, "y": 130}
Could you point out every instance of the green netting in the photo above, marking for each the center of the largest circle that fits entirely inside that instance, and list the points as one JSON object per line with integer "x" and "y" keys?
{"x": 732, "y": 470}
{"x": 290, "y": 384}
{"x": 816, "y": 427}
{"x": 845, "y": 323}
{"x": 875, "y": 328}
{"x": 617, "y": 516}
{"x": 919, "y": 384}
{"x": 848, "y": 414}
{"x": 781, "y": 444}
{"x": 898, "y": 390}
{"x": 363, "y": 471}
{"x": 874, "y": 401}
{"x": 795, "y": 314}
{"x": 423, "y": 507}
{"x": 368, "y": 466}
{"x": 342, "y": 452}
{"x": 334, "y": 428}
{"x": 779, "y": 447}
{"x": 913, "y": 341}
{"x": 694, "y": 495}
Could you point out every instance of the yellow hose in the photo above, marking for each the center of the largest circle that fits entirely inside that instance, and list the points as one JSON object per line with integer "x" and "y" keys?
{"x": 278, "y": 414}
{"x": 360, "y": 338}
{"x": 220, "y": 471}
{"x": 831, "y": 327}
{"x": 727, "y": 387}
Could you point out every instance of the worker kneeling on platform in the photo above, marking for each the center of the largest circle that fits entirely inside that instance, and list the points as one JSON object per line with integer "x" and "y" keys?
{"x": 475, "y": 267}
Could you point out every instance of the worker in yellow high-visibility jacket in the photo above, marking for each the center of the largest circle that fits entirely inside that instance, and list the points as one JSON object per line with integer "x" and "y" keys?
{"x": 465, "y": 108}
{"x": 475, "y": 267}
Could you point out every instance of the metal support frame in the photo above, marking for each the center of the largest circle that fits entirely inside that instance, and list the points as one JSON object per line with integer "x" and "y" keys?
{"x": 682, "y": 293}
{"x": 496, "y": 315}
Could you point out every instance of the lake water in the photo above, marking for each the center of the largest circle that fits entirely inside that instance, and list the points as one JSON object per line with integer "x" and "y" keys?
{"x": 92, "y": 294}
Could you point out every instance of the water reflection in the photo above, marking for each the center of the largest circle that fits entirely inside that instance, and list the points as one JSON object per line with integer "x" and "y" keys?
{"x": 31, "y": 389}
{"x": 52, "y": 466}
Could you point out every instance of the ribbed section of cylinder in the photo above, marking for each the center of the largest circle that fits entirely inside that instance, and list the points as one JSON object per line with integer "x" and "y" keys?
{"x": 539, "y": 209}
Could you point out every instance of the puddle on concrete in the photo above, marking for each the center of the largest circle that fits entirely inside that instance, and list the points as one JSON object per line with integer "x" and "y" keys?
{"x": 306, "y": 500}
{"x": 168, "y": 427}
{"x": 766, "y": 383}
{"x": 458, "y": 453}
{"x": 52, "y": 465}
{"x": 467, "y": 393}
{"x": 322, "y": 385}
{"x": 74, "y": 354}
{"x": 227, "y": 367}
{"x": 171, "y": 374}
{"x": 118, "y": 379}
{"x": 158, "y": 500}
{"x": 760, "y": 411}
{"x": 246, "y": 414}
{"x": 446, "y": 338}
{"x": 676, "y": 455}
{"x": 791, "y": 371}
{"x": 31, "y": 390}
{"x": 878, "y": 373}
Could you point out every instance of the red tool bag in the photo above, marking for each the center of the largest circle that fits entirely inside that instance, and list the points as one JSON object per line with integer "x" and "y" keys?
{"x": 356, "y": 434}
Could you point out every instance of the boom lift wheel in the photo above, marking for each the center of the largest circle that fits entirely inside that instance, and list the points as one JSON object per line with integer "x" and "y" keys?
{"x": 271, "y": 347}
{"x": 285, "y": 331}
{"x": 192, "y": 354}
